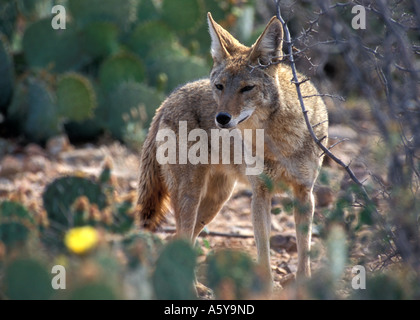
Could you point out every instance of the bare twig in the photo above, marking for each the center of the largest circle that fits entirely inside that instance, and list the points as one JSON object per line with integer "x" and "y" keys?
{"x": 325, "y": 95}
{"x": 319, "y": 123}
{"x": 213, "y": 233}
{"x": 335, "y": 144}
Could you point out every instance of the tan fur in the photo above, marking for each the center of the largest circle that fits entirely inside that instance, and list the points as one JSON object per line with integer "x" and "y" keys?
{"x": 198, "y": 192}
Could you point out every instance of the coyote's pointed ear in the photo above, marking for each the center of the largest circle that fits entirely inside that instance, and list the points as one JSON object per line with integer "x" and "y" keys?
{"x": 268, "y": 47}
{"x": 223, "y": 44}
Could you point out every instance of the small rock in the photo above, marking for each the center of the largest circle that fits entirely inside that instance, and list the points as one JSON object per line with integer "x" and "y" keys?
{"x": 34, "y": 149}
{"x": 6, "y": 187}
{"x": 58, "y": 144}
{"x": 324, "y": 196}
{"x": 285, "y": 267}
{"x": 287, "y": 280}
{"x": 133, "y": 184}
{"x": 280, "y": 270}
{"x": 276, "y": 200}
{"x": 287, "y": 243}
{"x": 10, "y": 165}
{"x": 36, "y": 163}
{"x": 84, "y": 156}
{"x": 242, "y": 193}
{"x": 6, "y": 147}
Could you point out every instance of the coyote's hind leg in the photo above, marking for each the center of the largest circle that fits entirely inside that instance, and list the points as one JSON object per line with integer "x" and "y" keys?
{"x": 303, "y": 214}
{"x": 219, "y": 188}
{"x": 186, "y": 196}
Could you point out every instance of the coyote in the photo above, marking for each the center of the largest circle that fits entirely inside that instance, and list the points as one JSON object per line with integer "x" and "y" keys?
{"x": 248, "y": 89}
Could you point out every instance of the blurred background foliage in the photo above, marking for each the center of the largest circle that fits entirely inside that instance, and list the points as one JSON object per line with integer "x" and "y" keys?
{"x": 107, "y": 73}
{"x": 110, "y": 69}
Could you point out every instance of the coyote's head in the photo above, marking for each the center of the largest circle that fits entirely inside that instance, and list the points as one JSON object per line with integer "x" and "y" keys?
{"x": 239, "y": 89}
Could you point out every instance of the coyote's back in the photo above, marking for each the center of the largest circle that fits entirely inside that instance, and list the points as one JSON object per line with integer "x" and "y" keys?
{"x": 249, "y": 94}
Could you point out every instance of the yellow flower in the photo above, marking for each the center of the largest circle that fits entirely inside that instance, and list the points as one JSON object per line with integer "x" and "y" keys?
{"x": 82, "y": 239}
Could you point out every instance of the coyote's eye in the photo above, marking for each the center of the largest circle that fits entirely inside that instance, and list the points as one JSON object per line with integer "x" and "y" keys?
{"x": 219, "y": 86}
{"x": 247, "y": 88}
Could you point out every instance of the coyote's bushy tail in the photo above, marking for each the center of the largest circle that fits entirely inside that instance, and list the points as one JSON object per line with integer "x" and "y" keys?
{"x": 152, "y": 192}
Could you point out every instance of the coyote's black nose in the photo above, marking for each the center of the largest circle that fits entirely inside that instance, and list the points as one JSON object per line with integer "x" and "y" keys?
{"x": 223, "y": 118}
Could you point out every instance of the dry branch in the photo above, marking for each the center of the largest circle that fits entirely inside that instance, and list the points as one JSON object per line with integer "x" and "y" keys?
{"x": 213, "y": 233}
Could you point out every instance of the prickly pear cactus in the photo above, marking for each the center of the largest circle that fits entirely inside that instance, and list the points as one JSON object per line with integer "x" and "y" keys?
{"x": 13, "y": 233}
{"x": 173, "y": 278}
{"x": 26, "y": 279}
{"x": 10, "y": 209}
{"x": 150, "y": 35}
{"x": 93, "y": 291}
{"x": 124, "y": 106}
{"x": 39, "y": 114}
{"x": 61, "y": 194}
{"x": 17, "y": 109}
{"x": 141, "y": 248}
{"x": 76, "y": 98}
{"x": 187, "y": 19}
{"x": 56, "y": 50}
{"x": 8, "y": 18}
{"x": 7, "y": 73}
{"x": 151, "y": 99}
{"x": 100, "y": 39}
{"x": 123, "y": 218}
{"x": 120, "y": 68}
{"x": 232, "y": 274}
{"x": 15, "y": 223}
{"x": 30, "y": 8}
{"x": 179, "y": 70}
{"x": 198, "y": 40}
{"x": 148, "y": 11}
{"x": 122, "y": 13}
{"x": 218, "y": 9}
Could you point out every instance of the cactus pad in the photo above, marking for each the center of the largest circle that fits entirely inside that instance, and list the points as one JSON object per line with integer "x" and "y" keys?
{"x": 122, "y": 13}
{"x": 100, "y": 38}
{"x": 42, "y": 121}
{"x": 76, "y": 97}
{"x": 120, "y": 68}
{"x": 27, "y": 279}
{"x": 15, "y": 223}
{"x": 58, "y": 50}
{"x": 174, "y": 274}
{"x": 148, "y": 11}
{"x": 187, "y": 19}
{"x": 149, "y": 35}
{"x": 7, "y": 73}
{"x": 123, "y": 105}
{"x": 234, "y": 270}
{"x": 60, "y": 195}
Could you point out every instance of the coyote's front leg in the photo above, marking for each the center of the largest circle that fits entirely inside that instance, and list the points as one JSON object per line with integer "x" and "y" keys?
{"x": 261, "y": 220}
